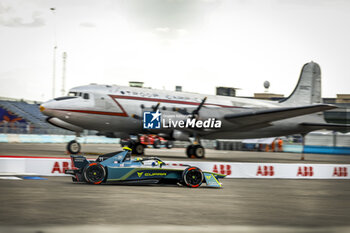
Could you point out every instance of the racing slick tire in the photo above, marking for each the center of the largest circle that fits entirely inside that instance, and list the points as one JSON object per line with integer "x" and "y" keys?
{"x": 195, "y": 151}
{"x": 73, "y": 147}
{"x": 95, "y": 173}
{"x": 192, "y": 177}
{"x": 138, "y": 148}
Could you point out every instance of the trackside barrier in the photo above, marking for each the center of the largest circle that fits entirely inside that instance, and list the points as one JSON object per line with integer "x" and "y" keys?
{"x": 48, "y": 166}
{"x": 273, "y": 170}
{"x": 317, "y": 149}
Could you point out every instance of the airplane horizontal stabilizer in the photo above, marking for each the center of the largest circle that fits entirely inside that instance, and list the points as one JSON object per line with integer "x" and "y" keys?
{"x": 268, "y": 115}
{"x": 328, "y": 126}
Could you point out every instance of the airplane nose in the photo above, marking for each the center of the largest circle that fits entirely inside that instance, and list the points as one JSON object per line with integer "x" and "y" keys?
{"x": 46, "y": 108}
{"x": 41, "y": 108}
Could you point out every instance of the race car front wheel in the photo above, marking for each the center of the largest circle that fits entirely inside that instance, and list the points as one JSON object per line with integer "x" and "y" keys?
{"x": 95, "y": 173}
{"x": 192, "y": 177}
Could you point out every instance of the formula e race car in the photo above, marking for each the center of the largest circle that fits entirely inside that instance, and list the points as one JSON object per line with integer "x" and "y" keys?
{"x": 120, "y": 168}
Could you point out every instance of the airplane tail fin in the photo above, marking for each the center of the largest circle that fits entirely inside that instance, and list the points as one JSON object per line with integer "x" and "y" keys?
{"x": 308, "y": 89}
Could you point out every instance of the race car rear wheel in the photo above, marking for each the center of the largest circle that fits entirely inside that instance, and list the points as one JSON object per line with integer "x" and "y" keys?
{"x": 95, "y": 173}
{"x": 192, "y": 177}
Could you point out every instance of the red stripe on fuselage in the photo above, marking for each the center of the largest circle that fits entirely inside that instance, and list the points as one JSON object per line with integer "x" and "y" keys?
{"x": 120, "y": 106}
{"x": 124, "y": 114}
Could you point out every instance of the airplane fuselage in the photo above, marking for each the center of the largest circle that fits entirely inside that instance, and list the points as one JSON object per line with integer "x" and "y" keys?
{"x": 119, "y": 110}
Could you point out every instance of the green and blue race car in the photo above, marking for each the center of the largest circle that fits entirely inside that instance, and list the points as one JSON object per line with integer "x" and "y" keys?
{"x": 119, "y": 167}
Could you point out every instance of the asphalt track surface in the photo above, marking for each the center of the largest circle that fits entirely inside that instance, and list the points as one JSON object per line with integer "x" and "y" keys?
{"x": 242, "y": 205}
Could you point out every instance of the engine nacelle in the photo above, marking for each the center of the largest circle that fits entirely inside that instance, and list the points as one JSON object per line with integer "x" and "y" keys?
{"x": 180, "y": 135}
{"x": 64, "y": 125}
{"x": 113, "y": 134}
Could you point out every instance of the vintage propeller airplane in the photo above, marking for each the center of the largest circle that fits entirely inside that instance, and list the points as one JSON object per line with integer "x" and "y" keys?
{"x": 120, "y": 111}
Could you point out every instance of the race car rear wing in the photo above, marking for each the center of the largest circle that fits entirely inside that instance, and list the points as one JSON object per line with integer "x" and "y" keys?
{"x": 79, "y": 161}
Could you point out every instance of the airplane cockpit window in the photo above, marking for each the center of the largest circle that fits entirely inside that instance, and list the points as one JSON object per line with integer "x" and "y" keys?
{"x": 64, "y": 98}
{"x": 72, "y": 93}
{"x": 122, "y": 92}
{"x": 77, "y": 94}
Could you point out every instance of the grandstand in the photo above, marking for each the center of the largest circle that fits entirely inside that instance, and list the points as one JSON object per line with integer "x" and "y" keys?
{"x": 20, "y": 116}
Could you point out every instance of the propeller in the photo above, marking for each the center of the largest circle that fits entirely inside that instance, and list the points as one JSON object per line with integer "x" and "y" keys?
{"x": 195, "y": 112}
{"x": 137, "y": 117}
{"x": 155, "y": 107}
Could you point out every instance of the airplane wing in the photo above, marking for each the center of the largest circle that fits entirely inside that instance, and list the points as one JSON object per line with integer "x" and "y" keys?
{"x": 265, "y": 116}
{"x": 328, "y": 126}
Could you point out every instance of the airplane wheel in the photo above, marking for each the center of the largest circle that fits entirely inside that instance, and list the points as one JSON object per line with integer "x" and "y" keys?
{"x": 189, "y": 151}
{"x": 138, "y": 149}
{"x": 73, "y": 147}
{"x": 94, "y": 173}
{"x": 198, "y": 151}
{"x": 195, "y": 151}
{"x": 192, "y": 177}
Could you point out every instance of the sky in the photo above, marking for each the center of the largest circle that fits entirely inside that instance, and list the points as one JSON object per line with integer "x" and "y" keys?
{"x": 197, "y": 44}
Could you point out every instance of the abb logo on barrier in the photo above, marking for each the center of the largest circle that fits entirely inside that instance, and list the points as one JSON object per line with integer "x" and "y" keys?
{"x": 340, "y": 171}
{"x": 305, "y": 171}
{"x": 60, "y": 168}
{"x": 265, "y": 171}
{"x": 222, "y": 169}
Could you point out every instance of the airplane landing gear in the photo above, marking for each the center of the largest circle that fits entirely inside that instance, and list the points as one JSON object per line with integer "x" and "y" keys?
{"x": 303, "y": 146}
{"x": 138, "y": 148}
{"x": 73, "y": 147}
{"x": 195, "y": 151}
